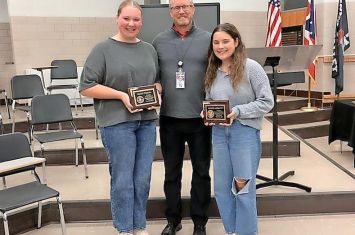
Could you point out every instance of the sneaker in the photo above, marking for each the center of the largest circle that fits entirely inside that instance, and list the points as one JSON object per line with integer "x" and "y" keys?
{"x": 124, "y": 233}
{"x": 140, "y": 232}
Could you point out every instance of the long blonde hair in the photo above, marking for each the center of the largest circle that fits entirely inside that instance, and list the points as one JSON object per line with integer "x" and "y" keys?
{"x": 238, "y": 63}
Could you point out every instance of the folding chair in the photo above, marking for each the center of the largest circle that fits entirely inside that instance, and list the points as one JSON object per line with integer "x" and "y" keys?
{"x": 2, "y": 91}
{"x": 67, "y": 70}
{"x": 1, "y": 125}
{"x": 49, "y": 109}
{"x": 16, "y": 157}
{"x": 24, "y": 87}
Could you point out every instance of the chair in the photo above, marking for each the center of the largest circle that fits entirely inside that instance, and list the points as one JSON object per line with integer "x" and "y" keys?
{"x": 42, "y": 112}
{"x": 96, "y": 128}
{"x": 2, "y": 132}
{"x": 2, "y": 91}
{"x": 24, "y": 87}
{"x": 16, "y": 157}
{"x": 67, "y": 70}
{"x": 1, "y": 125}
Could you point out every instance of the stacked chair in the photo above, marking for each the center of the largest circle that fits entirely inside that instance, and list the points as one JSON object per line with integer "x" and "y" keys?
{"x": 16, "y": 157}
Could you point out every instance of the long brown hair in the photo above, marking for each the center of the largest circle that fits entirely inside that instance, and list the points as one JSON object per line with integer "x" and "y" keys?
{"x": 237, "y": 67}
{"x": 128, "y": 3}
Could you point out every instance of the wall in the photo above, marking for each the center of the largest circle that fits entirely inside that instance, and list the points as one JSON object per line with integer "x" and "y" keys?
{"x": 4, "y": 16}
{"x": 6, "y": 56}
{"x": 47, "y": 30}
{"x": 327, "y": 1}
{"x": 39, "y": 40}
{"x": 235, "y": 5}
{"x": 63, "y": 8}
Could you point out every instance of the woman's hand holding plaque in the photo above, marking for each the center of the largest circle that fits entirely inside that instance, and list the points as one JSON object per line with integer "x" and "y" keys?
{"x": 144, "y": 97}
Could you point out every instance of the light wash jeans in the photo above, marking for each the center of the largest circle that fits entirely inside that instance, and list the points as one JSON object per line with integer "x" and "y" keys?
{"x": 236, "y": 155}
{"x": 130, "y": 148}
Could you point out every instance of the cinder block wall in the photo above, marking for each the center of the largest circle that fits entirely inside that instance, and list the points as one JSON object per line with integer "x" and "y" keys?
{"x": 39, "y": 40}
{"x": 7, "y": 69}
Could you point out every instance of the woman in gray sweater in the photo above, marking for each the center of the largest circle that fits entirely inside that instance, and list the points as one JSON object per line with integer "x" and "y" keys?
{"x": 128, "y": 134}
{"x": 236, "y": 145}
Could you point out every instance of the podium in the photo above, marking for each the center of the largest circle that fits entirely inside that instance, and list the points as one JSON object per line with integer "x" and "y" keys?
{"x": 281, "y": 60}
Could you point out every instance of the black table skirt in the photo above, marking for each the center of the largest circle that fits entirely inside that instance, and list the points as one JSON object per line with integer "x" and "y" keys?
{"x": 342, "y": 122}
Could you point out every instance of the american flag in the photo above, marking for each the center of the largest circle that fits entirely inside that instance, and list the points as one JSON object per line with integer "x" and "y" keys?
{"x": 273, "y": 38}
{"x": 310, "y": 34}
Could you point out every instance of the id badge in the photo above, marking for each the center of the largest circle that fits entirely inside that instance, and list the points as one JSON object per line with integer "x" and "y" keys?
{"x": 180, "y": 79}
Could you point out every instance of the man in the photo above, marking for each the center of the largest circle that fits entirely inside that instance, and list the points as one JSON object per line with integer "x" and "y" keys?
{"x": 182, "y": 52}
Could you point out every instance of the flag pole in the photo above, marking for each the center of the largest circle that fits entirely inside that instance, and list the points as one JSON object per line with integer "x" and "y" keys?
{"x": 309, "y": 107}
{"x": 340, "y": 141}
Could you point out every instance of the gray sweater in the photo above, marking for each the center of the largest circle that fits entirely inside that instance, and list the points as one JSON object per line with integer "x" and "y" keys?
{"x": 119, "y": 65}
{"x": 187, "y": 102}
{"x": 252, "y": 98}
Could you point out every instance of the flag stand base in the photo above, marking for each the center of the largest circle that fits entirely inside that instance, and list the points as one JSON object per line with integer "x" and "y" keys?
{"x": 309, "y": 108}
{"x": 280, "y": 99}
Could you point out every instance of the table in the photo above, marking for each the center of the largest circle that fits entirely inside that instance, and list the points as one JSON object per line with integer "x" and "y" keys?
{"x": 342, "y": 123}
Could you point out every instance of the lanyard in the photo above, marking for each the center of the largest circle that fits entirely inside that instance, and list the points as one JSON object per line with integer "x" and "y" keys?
{"x": 180, "y": 62}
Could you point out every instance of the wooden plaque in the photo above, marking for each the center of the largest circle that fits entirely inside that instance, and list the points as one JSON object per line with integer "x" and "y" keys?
{"x": 143, "y": 97}
{"x": 216, "y": 111}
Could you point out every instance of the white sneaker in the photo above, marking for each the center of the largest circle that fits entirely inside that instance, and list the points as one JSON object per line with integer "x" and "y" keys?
{"x": 124, "y": 233}
{"x": 140, "y": 232}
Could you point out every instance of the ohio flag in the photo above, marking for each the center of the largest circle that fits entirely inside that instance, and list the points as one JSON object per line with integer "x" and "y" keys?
{"x": 310, "y": 34}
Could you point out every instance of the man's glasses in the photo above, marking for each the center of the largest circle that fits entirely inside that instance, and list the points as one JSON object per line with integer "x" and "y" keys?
{"x": 183, "y": 7}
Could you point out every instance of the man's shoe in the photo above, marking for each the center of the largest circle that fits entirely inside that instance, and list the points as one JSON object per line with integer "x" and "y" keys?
{"x": 199, "y": 230}
{"x": 171, "y": 229}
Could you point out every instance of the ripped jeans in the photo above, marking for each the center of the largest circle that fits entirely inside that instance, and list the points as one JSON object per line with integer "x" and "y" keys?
{"x": 236, "y": 156}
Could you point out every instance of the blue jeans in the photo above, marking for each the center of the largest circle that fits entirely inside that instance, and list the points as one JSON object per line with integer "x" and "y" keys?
{"x": 236, "y": 155}
{"x": 130, "y": 148}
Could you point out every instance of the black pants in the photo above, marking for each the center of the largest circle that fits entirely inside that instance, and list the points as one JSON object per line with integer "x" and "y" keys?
{"x": 174, "y": 132}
